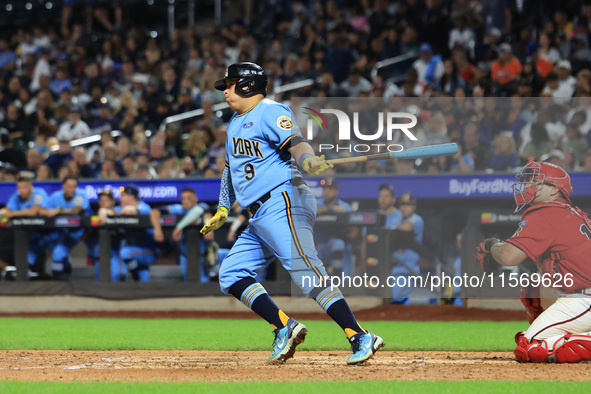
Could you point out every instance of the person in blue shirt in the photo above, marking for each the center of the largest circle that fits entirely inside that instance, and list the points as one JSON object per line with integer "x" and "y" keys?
{"x": 194, "y": 211}
{"x": 71, "y": 200}
{"x": 262, "y": 148}
{"x": 138, "y": 249}
{"x": 28, "y": 200}
{"x": 406, "y": 261}
{"x": 331, "y": 245}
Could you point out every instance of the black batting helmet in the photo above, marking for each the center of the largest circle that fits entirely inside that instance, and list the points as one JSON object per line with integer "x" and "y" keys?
{"x": 250, "y": 79}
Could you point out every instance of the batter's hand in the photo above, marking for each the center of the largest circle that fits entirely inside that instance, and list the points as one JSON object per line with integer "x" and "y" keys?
{"x": 316, "y": 165}
{"x": 216, "y": 221}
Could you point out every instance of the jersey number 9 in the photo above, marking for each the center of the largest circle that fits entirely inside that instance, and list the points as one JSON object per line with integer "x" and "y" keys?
{"x": 249, "y": 171}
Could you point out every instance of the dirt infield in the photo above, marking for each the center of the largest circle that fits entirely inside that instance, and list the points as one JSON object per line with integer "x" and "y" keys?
{"x": 233, "y": 366}
{"x": 229, "y": 366}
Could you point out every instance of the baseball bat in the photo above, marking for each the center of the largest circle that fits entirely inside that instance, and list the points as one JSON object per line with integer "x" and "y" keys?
{"x": 410, "y": 153}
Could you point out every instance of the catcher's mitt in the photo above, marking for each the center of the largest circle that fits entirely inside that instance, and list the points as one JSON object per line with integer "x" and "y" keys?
{"x": 530, "y": 298}
{"x": 487, "y": 263}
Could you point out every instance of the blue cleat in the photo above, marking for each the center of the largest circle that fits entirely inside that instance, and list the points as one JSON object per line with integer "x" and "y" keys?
{"x": 286, "y": 340}
{"x": 364, "y": 346}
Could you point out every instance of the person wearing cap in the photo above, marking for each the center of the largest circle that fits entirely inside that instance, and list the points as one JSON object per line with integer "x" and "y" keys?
{"x": 331, "y": 245}
{"x": 71, "y": 200}
{"x": 28, "y": 200}
{"x": 406, "y": 260}
{"x": 355, "y": 84}
{"x": 106, "y": 208}
{"x": 566, "y": 82}
{"x": 106, "y": 120}
{"x": 429, "y": 67}
{"x": 193, "y": 211}
{"x": 75, "y": 127}
{"x": 504, "y": 70}
{"x": 542, "y": 64}
{"x": 138, "y": 249}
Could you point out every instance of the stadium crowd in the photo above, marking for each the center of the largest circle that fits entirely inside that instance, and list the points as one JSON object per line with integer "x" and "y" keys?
{"x": 100, "y": 69}
{"x": 505, "y": 79}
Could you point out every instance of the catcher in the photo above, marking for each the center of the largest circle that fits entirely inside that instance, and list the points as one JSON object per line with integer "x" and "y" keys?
{"x": 556, "y": 235}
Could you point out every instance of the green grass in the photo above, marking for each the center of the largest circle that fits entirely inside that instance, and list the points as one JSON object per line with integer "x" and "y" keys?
{"x": 210, "y": 334}
{"x": 412, "y": 387}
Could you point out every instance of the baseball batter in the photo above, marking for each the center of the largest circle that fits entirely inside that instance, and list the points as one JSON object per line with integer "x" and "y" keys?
{"x": 556, "y": 235}
{"x": 262, "y": 148}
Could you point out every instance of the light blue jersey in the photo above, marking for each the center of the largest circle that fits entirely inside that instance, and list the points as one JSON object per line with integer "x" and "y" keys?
{"x": 340, "y": 203}
{"x": 258, "y": 143}
{"x": 38, "y": 197}
{"x": 394, "y": 219}
{"x": 57, "y": 200}
{"x": 407, "y": 260}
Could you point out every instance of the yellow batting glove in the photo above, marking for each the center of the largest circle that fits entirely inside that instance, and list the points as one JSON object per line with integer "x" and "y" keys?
{"x": 316, "y": 165}
{"x": 216, "y": 221}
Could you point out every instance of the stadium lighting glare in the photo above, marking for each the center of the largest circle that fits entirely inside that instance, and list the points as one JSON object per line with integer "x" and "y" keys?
{"x": 49, "y": 5}
{"x": 29, "y": 6}
{"x": 8, "y": 7}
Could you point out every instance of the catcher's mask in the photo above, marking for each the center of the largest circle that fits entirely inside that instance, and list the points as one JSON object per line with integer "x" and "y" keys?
{"x": 536, "y": 174}
{"x": 250, "y": 79}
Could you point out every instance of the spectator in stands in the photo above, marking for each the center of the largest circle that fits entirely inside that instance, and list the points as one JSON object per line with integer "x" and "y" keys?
{"x": 106, "y": 120}
{"x": 355, "y": 83}
{"x": 543, "y": 66}
{"x": 75, "y": 127}
{"x": 504, "y": 158}
{"x": 8, "y": 154}
{"x": 34, "y": 159}
{"x": 574, "y": 143}
{"x": 71, "y": 200}
{"x": 8, "y": 58}
{"x": 474, "y": 146}
{"x": 462, "y": 36}
{"x": 460, "y": 162}
{"x": 547, "y": 49}
{"x": 566, "y": 82}
{"x": 539, "y": 145}
{"x": 429, "y": 67}
{"x": 496, "y": 14}
{"x": 139, "y": 249}
{"x": 451, "y": 80}
{"x": 64, "y": 153}
{"x": 44, "y": 173}
{"x": 129, "y": 166}
{"x": 504, "y": 70}
{"x": 583, "y": 86}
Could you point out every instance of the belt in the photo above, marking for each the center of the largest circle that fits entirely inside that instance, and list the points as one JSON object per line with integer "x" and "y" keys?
{"x": 585, "y": 291}
{"x": 258, "y": 203}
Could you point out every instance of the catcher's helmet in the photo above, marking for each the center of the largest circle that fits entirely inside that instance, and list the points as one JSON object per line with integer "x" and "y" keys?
{"x": 250, "y": 79}
{"x": 533, "y": 176}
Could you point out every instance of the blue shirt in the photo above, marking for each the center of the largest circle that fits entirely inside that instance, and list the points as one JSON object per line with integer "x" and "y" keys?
{"x": 38, "y": 197}
{"x": 140, "y": 237}
{"x": 57, "y": 200}
{"x": 394, "y": 219}
{"x": 418, "y": 226}
{"x": 320, "y": 203}
{"x": 257, "y": 150}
